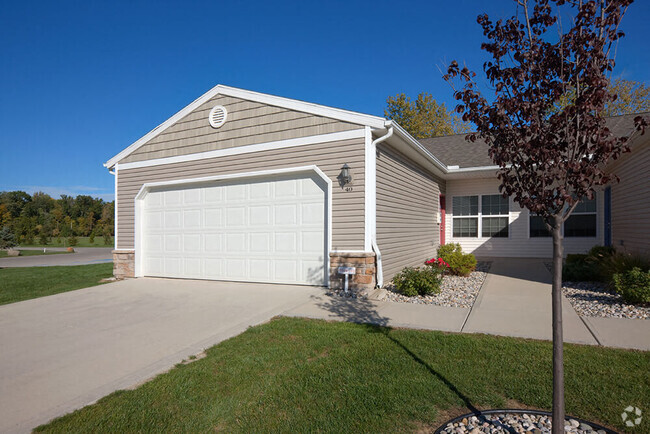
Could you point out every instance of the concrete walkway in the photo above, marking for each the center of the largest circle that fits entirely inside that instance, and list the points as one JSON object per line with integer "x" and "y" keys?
{"x": 515, "y": 300}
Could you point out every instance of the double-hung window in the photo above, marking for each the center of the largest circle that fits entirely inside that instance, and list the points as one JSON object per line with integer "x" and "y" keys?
{"x": 496, "y": 208}
{"x": 487, "y": 215}
{"x": 581, "y": 223}
{"x": 465, "y": 221}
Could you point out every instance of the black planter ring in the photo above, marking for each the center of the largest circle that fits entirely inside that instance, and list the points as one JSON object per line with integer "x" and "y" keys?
{"x": 478, "y": 414}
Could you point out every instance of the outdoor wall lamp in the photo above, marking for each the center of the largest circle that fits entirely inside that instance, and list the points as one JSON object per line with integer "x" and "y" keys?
{"x": 344, "y": 177}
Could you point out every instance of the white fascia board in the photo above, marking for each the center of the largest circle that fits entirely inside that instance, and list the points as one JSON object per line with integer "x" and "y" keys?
{"x": 300, "y": 141}
{"x": 404, "y": 135}
{"x": 302, "y": 106}
{"x": 291, "y": 104}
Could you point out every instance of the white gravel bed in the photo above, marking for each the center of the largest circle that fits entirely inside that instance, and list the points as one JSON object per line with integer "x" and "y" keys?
{"x": 597, "y": 299}
{"x": 514, "y": 422}
{"x": 455, "y": 291}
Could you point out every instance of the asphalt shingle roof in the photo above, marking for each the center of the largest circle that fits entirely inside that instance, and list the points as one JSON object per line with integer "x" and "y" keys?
{"x": 456, "y": 151}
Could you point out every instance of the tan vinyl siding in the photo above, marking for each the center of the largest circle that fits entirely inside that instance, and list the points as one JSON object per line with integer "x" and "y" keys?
{"x": 407, "y": 206}
{"x": 248, "y": 123}
{"x": 518, "y": 244}
{"x": 631, "y": 200}
{"x": 347, "y": 207}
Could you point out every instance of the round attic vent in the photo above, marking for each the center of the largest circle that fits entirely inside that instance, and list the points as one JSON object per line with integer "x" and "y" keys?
{"x": 218, "y": 116}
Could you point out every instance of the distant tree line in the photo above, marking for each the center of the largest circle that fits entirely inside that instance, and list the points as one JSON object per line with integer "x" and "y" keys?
{"x": 41, "y": 218}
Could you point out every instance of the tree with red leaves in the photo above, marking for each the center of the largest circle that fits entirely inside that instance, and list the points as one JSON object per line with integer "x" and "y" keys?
{"x": 545, "y": 128}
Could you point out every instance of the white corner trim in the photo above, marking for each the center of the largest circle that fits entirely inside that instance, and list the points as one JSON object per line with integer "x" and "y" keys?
{"x": 115, "y": 214}
{"x": 139, "y": 202}
{"x": 370, "y": 189}
{"x": 300, "y": 141}
{"x": 291, "y": 104}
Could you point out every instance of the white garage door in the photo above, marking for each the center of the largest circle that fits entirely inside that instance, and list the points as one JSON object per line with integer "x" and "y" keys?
{"x": 266, "y": 230}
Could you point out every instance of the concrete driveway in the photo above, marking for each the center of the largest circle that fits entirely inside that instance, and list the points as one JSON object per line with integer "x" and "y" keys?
{"x": 81, "y": 256}
{"x": 62, "y": 352}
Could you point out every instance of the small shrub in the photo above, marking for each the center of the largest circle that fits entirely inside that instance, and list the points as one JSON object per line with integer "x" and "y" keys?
{"x": 579, "y": 268}
{"x": 460, "y": 264}
{"x": 620, "y": 263}
{"x": 633, "y": 285}
{"x": 418, "y": 281}
{"x": 91, "y": 239}
{"x": 106, "y": 233}
{"x": 72, "y": 240}
{"x": 599, "y": 252}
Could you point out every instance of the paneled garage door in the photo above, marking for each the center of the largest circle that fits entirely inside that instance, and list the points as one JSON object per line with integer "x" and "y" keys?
{"x": 265, "y": 230}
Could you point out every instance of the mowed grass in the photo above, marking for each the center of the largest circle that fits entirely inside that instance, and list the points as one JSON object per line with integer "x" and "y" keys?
{"x": 18, "y": 284}
{"x": 3, "y": 253}
{"x": 298, "y": 375}
{"x": 81, "y": 242}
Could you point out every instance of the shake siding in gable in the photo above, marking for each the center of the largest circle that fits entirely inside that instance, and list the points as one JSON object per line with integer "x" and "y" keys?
{"x": 248, "y": 123}
{"x": 347, "y": 207}
{"x": 407, "y": 207}
{"x": 518, "y": 244}
{"x": 631, "y": 200}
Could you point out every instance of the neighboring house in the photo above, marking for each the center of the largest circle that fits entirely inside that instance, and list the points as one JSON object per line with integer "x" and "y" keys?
{"x": 245, "y": 186}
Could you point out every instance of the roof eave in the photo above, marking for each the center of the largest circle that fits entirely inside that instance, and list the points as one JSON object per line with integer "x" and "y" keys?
{"x": 292, "y": 104}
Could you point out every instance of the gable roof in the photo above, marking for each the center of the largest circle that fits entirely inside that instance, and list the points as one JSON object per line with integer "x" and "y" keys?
{"x": 456, "y": 151}
{"x": 292, "y": 104}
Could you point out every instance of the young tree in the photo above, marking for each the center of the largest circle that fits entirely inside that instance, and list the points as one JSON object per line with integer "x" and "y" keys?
{"x": 632, "y": 97}
{"x": 7, "y": 238}
{"x": 549, "y": 158}
{"x": 424, "y": 117}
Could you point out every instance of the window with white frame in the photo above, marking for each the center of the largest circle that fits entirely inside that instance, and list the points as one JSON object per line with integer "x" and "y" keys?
{"x": 465, "y": 220}
{"x": 581, "y": 223}
{"x": 497, "y": 208}
{"x": 490, "y": 219}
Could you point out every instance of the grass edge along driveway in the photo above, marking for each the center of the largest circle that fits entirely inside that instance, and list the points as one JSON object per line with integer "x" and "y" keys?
{"x": 18, "y": 284}
{"x": 298, "y": 375}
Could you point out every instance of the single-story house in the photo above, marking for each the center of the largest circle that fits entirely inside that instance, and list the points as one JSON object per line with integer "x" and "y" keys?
{"x": 245, "y": 186}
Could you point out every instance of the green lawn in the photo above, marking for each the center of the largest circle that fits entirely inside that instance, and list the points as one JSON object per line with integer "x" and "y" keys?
{"x": 296, "y": 375}
{"x": 3, "y": 253}
{"x": 18, "y": 284}
{"x": 81, "y": 242}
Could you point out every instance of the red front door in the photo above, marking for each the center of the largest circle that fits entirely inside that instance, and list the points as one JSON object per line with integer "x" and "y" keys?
{"x": 442, "y": 219}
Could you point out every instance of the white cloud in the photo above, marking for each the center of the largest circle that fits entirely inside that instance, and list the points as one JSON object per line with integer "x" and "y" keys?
{"x": 73, "y": 191}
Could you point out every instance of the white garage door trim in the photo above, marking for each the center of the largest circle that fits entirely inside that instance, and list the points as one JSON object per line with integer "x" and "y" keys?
{"x": 139, "y": 203}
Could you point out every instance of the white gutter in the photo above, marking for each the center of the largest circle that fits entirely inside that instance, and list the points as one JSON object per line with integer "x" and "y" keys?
{"x": 373, "y": 236}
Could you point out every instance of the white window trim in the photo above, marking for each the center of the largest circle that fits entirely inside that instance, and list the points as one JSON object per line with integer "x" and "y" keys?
{"x": 596, "y": 213}
{"x": 142, "y": 193}
{"x": 480, "y": 218}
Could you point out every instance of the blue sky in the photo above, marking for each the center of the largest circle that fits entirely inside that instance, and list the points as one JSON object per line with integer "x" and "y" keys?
{"x": 80, "y": 81}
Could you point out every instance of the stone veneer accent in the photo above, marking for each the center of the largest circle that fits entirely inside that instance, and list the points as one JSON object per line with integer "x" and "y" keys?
{"x": 123, "y": 263}
{"x": 365, "y": 273}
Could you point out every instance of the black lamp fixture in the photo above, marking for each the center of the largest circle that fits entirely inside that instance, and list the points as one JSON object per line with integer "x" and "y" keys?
{"x": 344, "y": 177}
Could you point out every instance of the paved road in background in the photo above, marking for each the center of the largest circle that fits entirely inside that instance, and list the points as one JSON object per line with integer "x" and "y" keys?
{"x": 82, "y": 256}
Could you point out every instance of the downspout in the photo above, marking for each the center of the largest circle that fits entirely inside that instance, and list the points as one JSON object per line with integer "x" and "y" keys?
{"x": 373, "y": 236}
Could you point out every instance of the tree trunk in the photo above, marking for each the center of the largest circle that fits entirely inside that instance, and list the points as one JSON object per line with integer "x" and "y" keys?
{"x": 558, "y": 340}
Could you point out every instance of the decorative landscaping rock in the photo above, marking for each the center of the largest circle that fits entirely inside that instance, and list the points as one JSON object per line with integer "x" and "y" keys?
{"x": 455, "y": 291}
{"x": 515, "y": 421}
{"x": 596, "y": 299}
{"x": 12, "y": 252}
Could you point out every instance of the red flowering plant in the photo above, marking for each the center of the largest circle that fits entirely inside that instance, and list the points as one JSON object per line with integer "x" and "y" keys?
{"x": 437, "y": 263}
